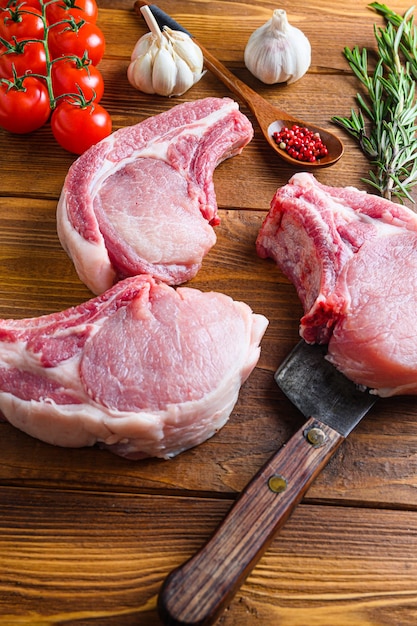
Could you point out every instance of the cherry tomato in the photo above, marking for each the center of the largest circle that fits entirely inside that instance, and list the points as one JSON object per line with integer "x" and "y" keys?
{"x": 24, "y": 57}
{"x": 78, "y": 9}
{"x": 21, "y": 23}
{"x": 64, "y": 40}
{"x": 12, "y": 4}
{"x": 24, "y": 107}
{"x": 68, "y": 75}
{"x": 76, "y": 128}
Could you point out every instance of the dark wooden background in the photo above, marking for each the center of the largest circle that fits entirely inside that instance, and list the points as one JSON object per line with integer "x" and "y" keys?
{"x": 87, "y": 538}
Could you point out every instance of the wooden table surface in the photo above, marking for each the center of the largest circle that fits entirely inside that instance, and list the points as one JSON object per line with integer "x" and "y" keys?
{"x": 86, "y": 537}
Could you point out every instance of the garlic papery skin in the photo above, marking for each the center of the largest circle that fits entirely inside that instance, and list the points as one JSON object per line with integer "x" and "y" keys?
{"x": 166, "y": 62}
{"x": 278, "y": 52}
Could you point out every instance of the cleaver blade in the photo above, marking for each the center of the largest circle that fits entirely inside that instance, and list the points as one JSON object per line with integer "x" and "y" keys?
{"x": 196, "y": 593}
{"x": 319, "y": 390}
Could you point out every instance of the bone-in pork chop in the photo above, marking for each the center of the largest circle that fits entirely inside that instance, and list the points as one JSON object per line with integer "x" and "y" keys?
{"x": 143, "y": 369}
{"x": 143, "y": 199}
{"x": 352, "y": 257}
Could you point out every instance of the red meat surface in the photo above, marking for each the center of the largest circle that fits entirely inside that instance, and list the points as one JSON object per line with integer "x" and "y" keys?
{"x": 352, "y": 256}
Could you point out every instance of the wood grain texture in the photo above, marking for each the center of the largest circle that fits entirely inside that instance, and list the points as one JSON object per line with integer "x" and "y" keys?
{"x": 87, "y": 538}
{"x": 90, "y": 558}
{"x": 197, "y": 592}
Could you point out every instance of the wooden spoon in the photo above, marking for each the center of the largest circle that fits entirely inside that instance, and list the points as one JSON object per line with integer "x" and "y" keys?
{"x": 270, "y": 118}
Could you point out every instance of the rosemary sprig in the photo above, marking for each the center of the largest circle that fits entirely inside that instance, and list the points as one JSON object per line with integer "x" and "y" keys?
{"x": 408, "y": 42}
{"x": 385, "y": 123}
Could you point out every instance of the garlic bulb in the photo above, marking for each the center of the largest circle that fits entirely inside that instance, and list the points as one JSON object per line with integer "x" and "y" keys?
{"x": 278, "y": 52}
{"x": 164, "y": 62}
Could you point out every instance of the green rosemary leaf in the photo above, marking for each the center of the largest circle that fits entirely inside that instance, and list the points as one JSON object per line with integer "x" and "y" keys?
{"x": 359, "y": 120}
{"x": 373, "y": 182}
{"x": 401, "y": 190}
{"x": 364, "y": 108}
{"x": 385, "y": 124}
{"x": 368, "y": 146}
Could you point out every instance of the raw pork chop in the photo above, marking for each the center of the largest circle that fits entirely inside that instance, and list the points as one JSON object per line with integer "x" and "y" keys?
{"x": 353, "y": 258}
{"x": 143, "y": 369}
{"x": 143, "y": 200}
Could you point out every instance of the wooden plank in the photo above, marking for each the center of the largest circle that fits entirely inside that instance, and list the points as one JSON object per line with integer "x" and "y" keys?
{"x": 84, "y": 558}
{"x": 227, "y": 25}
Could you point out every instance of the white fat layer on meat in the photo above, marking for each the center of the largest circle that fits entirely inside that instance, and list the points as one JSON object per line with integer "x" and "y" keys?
{"x": 163, "y": 433}
{"x": 349, "y": 214}
{"x": 387, "y": 225}
{"x": 79, "y": 248}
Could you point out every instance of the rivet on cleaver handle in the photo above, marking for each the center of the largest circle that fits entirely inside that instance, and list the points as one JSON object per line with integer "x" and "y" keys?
{"x": 198, "y": 591}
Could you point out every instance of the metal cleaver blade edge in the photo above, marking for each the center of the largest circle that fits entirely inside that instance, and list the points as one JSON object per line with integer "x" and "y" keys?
{"x": 319, "y": 390}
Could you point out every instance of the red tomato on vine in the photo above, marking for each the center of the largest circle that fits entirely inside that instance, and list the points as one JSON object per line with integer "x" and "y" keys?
{"x": 21, "y": 23}
{"x": 68, "y": 75}
{"x": 77, "y": 127}
{"x": 23, "y": 57}
{"x": 65, "y": 39}
{"x": 26, "y": 4}
{"x": 24, "y": 105}
{"x": 70, "y": 86}
{"x": 78, "y": 9}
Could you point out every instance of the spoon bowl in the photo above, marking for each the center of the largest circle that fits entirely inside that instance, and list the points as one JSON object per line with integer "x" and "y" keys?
{"x": 332, "y": 142}
{"x": 270, "y": 118}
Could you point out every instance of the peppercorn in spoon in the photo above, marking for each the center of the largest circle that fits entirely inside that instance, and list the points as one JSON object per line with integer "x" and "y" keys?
{"x": 272, "y": 121}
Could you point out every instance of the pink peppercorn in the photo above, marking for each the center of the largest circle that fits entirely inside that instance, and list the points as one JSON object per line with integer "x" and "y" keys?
{"x": 301, "y": 143}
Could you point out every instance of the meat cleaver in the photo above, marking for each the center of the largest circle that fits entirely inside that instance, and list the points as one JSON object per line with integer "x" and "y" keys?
{"x": 198, "y": 591}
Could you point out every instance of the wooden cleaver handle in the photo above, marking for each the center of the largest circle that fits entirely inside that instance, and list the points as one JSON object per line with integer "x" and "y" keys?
{"x": 197, "y": 592}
